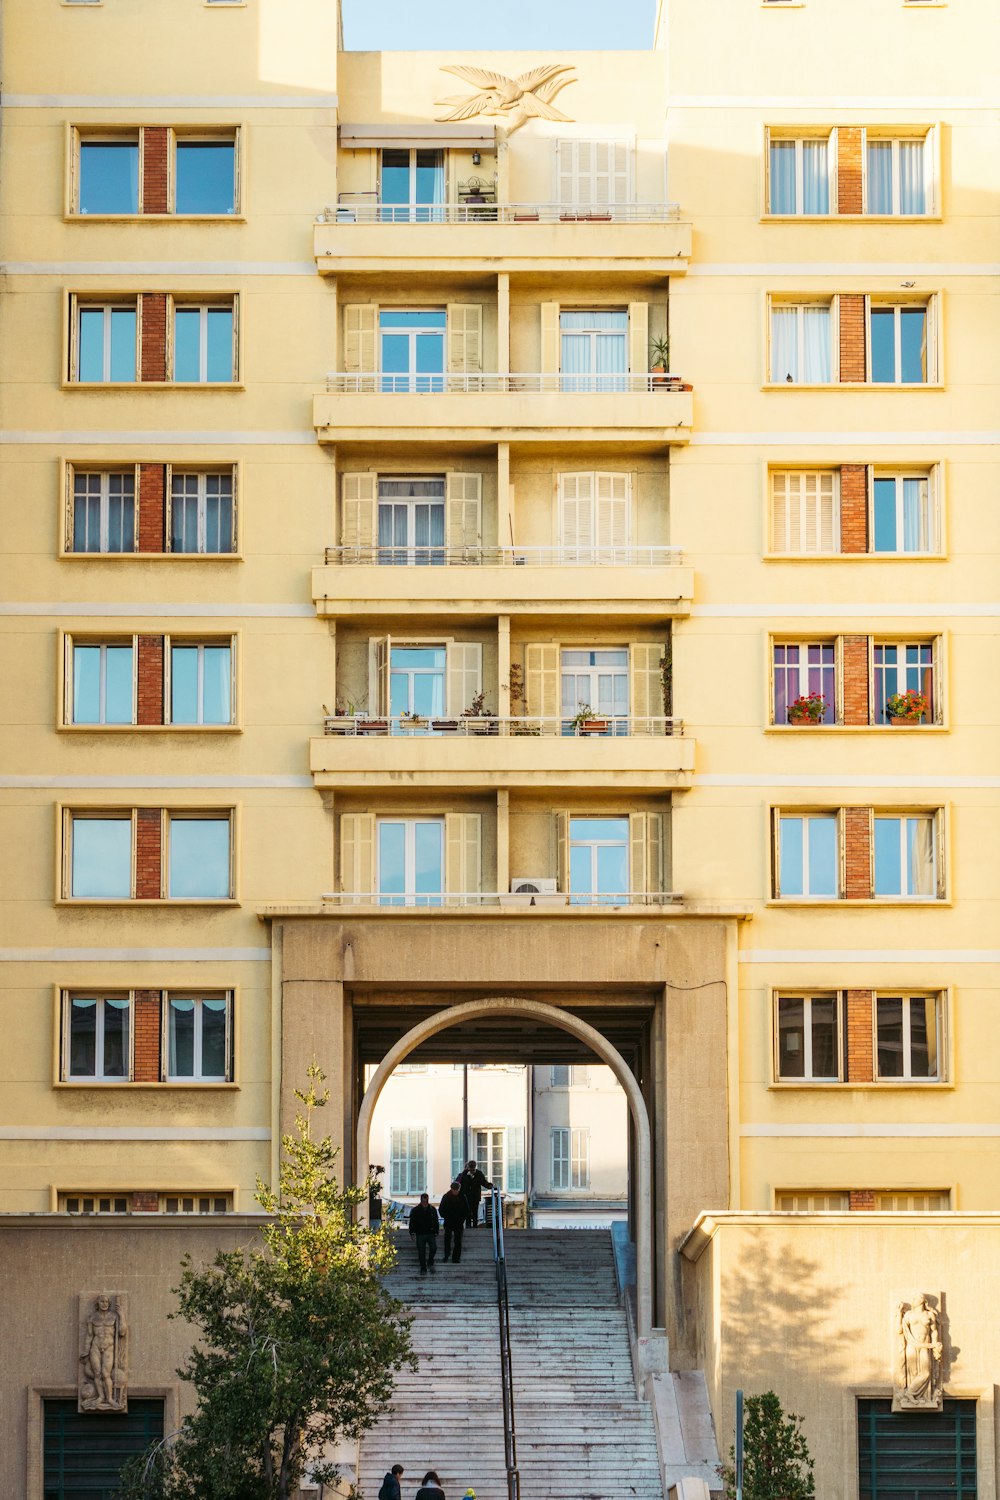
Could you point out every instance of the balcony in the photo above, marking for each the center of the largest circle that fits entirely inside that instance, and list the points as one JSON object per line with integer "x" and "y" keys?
{"x": 629, "y": 581}
{"x": 478, "y": 901}
{"x": 488, "y": 753}
{"x": 362, "y": 234}
{"x": 530, "y": 407}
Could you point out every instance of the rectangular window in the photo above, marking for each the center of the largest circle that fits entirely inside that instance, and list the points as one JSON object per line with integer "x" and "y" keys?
{"x": 598, "y": 860}
{"x": 196, "y": 1203}
{"x": 411, "y": 521}
{"x": 593, "y": 351}
{"x": 201, "y": 683}
{"x": 563, "y": 1077}
{"x": 898, "y": 344}
{"x": 407, "y": 1162}
{"x": 199, "y": 1045}
{"x": 204, "y": 347}
{"x": 896, "y": 175}
{"x": 906, "y": 857}
{"x": 489, "y": 1148}
{"x": 801, "y": 343}
{"x": 100, "y": 857}
{"x": 108, "y": 175}
{"x": 595, "y": 517}
{"x": 903, "y": 517}
{"x": 570, "y": 1156}
{"x": 812, "y": 1203}
{"x": 809, "y": 1048}
{"x": 934, "y": 1202}
{"x": 103, "y": 518}
{"x": 908, "y": 1036}
{"x": 802, "y": 669}
{"x": 204, "y": 175}
{"x": 199, "y": 858}
{"x": 901, "y": 668}
{"x": 94, "y": 1203}
{"x": 916, "y": 1455}
{"x": 412, "y": 186}
{"x": 106, "y": 335}
{"x": 412, "y": 349}
{"x": 594, "y": 176}
{"x": 410, "y": 861}
{"x": 808, "y": 857}
{"x": 799, "y": 175}
{"x": 102, "y": 683}
{"x": 97, "y": 1048}
{"x": 82, "y": 1459}
{"x": 805, "y": 512}
{"x": 598, "y": 680}
{"x": 417, "y": 680}
{"x": 202, "y": 512}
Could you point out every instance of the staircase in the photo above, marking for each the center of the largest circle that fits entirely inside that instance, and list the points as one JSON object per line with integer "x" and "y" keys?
{"x": 582, "y": 1433}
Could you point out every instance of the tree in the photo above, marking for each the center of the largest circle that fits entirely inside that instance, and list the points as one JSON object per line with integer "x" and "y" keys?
{"x": 776, "y": 1462}
{"x": 300, "y": 1341}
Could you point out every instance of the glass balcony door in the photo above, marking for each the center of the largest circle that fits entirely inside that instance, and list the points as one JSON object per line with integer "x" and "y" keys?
{"x": 598, "y": 860}
{"x": 412, "y": 186}
{"x": 410, "y": 861}
{"x": 597, "y": 678}
{"x": 417, "y": 681}
{"x": 411, "y": 521}
{"x": 412, "y": 349}
{"x": 593, "y": 351}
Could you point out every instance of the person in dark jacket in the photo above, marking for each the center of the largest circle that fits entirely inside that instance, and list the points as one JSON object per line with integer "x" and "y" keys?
{"x": 472, "y": 1183}
{"x": 424, "y": 1226}
{"x": 390, "y": 1489}
{"x": 454, "y": 1211}
{"x": 431, "y": 1487}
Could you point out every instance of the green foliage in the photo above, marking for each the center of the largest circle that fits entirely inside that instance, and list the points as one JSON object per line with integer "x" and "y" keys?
{"x": 300, "y": 1342}
{"x": 776, "y": 1462}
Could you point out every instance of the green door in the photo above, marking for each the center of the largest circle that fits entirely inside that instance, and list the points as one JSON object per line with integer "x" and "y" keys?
{"x": 84, "y": 1451}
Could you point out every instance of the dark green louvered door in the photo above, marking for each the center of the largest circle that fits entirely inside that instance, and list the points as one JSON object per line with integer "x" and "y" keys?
{"x": 913, "y": 1455}
{"x": 85, "y": 1451}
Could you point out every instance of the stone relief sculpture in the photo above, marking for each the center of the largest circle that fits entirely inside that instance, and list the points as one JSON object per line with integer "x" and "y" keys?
{"x": 103, "y": 1375}
{"x": 515, "y": 99}
{"x": 917, "y": 1378}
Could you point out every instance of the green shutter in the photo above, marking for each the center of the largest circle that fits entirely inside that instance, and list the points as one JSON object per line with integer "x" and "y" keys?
{"x": 515, "y": 1158}
{"x": 457, "y": 1151}
{"x": 84, "y": 1454}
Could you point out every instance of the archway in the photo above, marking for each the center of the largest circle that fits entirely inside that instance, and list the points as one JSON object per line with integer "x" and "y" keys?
{"x": 565, "y": 1021}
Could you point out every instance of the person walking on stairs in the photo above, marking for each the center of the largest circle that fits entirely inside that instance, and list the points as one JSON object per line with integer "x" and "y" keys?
{"x": 454, "y": 1211}
{"x": 424, "y": 1226}
{"x": 472, "y": 1182}
{"x": 390, "y": 1489}
{"x": 431, "y": 1487}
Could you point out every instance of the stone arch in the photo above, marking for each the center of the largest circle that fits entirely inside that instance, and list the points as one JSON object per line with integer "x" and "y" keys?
{"x": 535, "y": 1009}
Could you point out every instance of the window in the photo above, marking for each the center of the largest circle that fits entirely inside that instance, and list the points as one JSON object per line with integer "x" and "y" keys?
{"x": 799, "y": 175}
{"x": 407, "y": 1161}
{"x": 411, "y": 520}
{"x": 801, "y": 343}
{"x": 204, "y": 347}
{"x": 410, "y": 861}
{"x": 598, "y": 860}
{"x": 199, "y": 1044}
{"x": 898, "y": 344}
{"x": 194, "y": 1203}
{"x": 903, "y": 517}
{"x": 908, "y": 1036}
{"x": 809, "y": 1048}
{"x": 201, "y": 512}
{"x": 807, "y": 856}
{"x": 488, "y": 1147}
{"x": 800, "y": 668}
{"x": 82, "y": 1459}
{"x": 105, "y": 346}
{"x": 812, "y": 1203}
{"x": 412, "y": 186}
{"x": 896, "y": 176}
{"x": 903, "y": 667}
{"x": 94, "y": 1203}
{"x": 198, "y": 865}
{"x": 575, "y": 1075}
{"x": 916, "y": 1455}
{"x": 103, "y": 512}
{"x": 412, "y": 349}
{"x": 417, "y": 680}
{"x": 595, "y": 514}
{"x": 570, "y": 1157}
{"x": 204, "y": 175}
{"x": 594, "y": 175}
{"x": 593, "y": 351}
{"x": 96, "y": 1045}
{"x": 935, "y": 1202}
{"x": 109, "y": 175}
{"x": 102, "y": 686}
{"x": 100, "y": 857}
{"x": 201, "y": 683}
{"x": 906, "y": 856}
{"x": 599, "y": 679}
{"x": 805, "y": 512}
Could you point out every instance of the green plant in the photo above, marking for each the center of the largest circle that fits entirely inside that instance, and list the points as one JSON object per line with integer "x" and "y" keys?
{"x": 809, "y": 708}
{"x": 584, "y": 715}
{"x": 911, "y": 705}
{"x": 776, "y": 1462}
{"x": 518, "y": 697}
{"x": 477, "y": 708}
{"x": 347, "y": 707}
{"x": 659, "y": 353}
{"x": 666, "y": 665}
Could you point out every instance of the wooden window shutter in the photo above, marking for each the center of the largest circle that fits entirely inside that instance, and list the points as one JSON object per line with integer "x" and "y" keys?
{"x": 360, "y": 341}
{"x": 561, "y": 829}
{"x": 638, "y": 852}
{"x": 566, "y": 173}
{"x": 463, "y": 837}
{"x": 464, "y": 511}
{"x": 550, "y": 339}
{"x": 465, "y": 674}
{"x": 465, "y": 338}
{"x": 645, "y": 688}
{"x": 357, "y": 853}
{"x": 613, "y": 505}
{"x": 379, "y": 661}
{"x": 576, "y": 512}
{"x": 638, "y": 337}
{"x": 542, "y": 681}
{"x": 358, "y": 509}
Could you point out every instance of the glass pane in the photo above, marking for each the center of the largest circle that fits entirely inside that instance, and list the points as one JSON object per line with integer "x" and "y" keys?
{"x": 395, "y": 361}
{"x": 121, "y": 513}
{"x": 782, "y": 177}
{"x": 790, "y": 854}
{"x": 395, "y": 187}
{"x": 430, "y": 177}
{"x": 219, "y": 513}
{"x": 187, "y": 340}
{"x": 116, "y": 1038}
{"x": 86, "y": 684}
{"x": 206, "y": 179}
{"x": 824, "y": 1037}
{"x": 109, "y": 177}
{"x": 923, "y": 1049}
{"x": 184, "y": 685}
{"x": 913, "y": 345}
{"x": 183, "y": 522}
{"x": 815, "y": 184}
{"x": 220, "y": 344}
{"x": 912, "y": 192}
{"x": 822, "y": 856}
{"x": 791, "y": 1038}
{"x": 884, "y": 506}
{"x": 123, "y": 321}
{"x": 118, "y": 685}
{"x": 182, "y": 1021}
{"x": 879, "y": 177}
{"x": 102, "y": 858}
{"x": 889, "y": 1017}
{"x": 581, "y": 878}
{"x": 883, "y": 331}
{"x": 888, "y": 862}
{"x": 612, "y": 869}
{"x": 199, "y": 857}
{"x": 217, "y": 690}
{"x": 213, "y": 1038}
{"x": 428, "y": 861}
{"x": 91, "y": 341}
{"x": 83, "y": 1038}
{"x": 391, "y": 858}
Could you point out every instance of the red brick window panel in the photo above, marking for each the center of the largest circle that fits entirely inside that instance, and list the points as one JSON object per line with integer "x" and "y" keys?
{"x": 862, "y": 1199}
{"x": 149, "y": 685}
{"x": 857, "y": 853}
{"x": 153, "y": 335}
{"x": 146, "y": 1032}
{"x": 145, "y": 1203}
{"x": 152, "y": 507}
{"x": 849, "y": 148}
{"x": 155, "y": 146}
{"x": 854, "y": 656}
{"x": 853, "y": 367}
{"x": 860, "y": 1039}
{"x": 148, "y": 854}
{"x": 854, "y": 507}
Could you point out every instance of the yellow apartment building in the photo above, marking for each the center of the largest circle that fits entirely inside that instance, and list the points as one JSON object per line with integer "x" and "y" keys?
{"x": 364, "y": 413}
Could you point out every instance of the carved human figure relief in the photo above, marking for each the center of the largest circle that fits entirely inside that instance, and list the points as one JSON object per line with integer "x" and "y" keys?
{"x": 917, "y": 1382}
{"x": 103, "y": 1373}
{"x": 514, "y": 99}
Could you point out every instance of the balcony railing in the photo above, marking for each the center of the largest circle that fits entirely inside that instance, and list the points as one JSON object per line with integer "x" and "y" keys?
{"x": 450, "y": 900}
{"x": 506, "y": 557}
{"x": 364, "y": 208}
{"x": 601, "y": 726}
{"x": 344, "y": 383}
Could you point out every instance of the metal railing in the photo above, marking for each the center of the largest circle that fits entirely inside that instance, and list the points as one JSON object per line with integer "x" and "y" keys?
{"x": 429, "y": 901}
{"x": 373, "y": 555}
{"x": 367, "y": 382}
{"x": 600, "y": 726}
{"x": 363, "y": 208}
{"x": 506, "y": 1363}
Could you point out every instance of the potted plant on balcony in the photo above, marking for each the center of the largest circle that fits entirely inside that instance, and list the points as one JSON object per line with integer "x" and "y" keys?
{"x": 659, "y": 365}
{"x": 486, "y": 721}
{"x": 809, "y": 708}
{"x": 586, "y": 721}
{"x": 414, "y": 723}
{"x": 906, "y": 708}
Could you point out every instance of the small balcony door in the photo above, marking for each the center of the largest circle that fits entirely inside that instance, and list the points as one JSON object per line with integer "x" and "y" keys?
{"x": 410, "y": 861}
{"x": 412, "y": 186}
{"x": 411, "y": 521}
{"x": 417, "y": 680}
{"x": 593, "y": 354}
{"x": 412, "y": 348}
{"x": 599, "y": 679}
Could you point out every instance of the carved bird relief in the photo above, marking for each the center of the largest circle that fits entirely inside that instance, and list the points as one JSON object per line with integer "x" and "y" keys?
{"x": 520, "y": 99}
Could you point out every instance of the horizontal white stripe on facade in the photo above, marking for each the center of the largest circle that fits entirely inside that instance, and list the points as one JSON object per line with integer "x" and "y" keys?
{"x": 907, "y": 1132}
{"x": 915, "y": 438}
{"x": 190, "y": 783}
{"x": 166, "y": 611}
{"x": 158, "y": 268}
{"x": 923, "y": 104}
{"x": 870, "y": 956}
{"x": 133, "y": 1133}
{"x": 135, "y": 955}
{"x": 172, "y": 438}
{"x": 778, "y": 609}
{"x": 935, "y": 783}
{"x": 170, "y": 101}
{"x": 844, "y": 268}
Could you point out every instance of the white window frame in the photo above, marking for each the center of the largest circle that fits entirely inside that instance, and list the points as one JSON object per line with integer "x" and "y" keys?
{"x": 903, "y": 818}
{"x": 409, "y": 896}
{"x": 775, "y": 137}
{"x": 410, "y": 504}
{"x": 811, "y": 1201}
{"x": 74, "y": 815}
{"x": 206, "y": 137}
{"x": 200, "y": 1198}
{"x": 929, "y": 477}
{"x": 500, "y": 1178}
{"x": 98, "y": 1075}
{"x": 103, "y": 497}
{"x": 201, "y": 498}
{"x": 805, "y": 480}
{"x": 573, "y": 1078}
{"x": 419, "y": 1162}
{"x": 881, "y": 304}
{"x": 880, "y": 642}
{"x": 95, "y": 1200}
{"x": 197, "y": 815}
{"x": 808, "y": 816}
{"x": 907, "y": 1075}
{"x": 180, "y": 304}
{"x": 801, "y": 305}
{"x": 87, "y": 304}
{"x": 172, "y": 643}
{"x": 594, "y": 895}
{"x": 808, "y": 1074}
{"x": 73, "y": 645}
{"x": 197, "y": 1075}
{"x": 623, "y": 672}
{"x": 803, "y": 669}
{"x": 880, "y": 137}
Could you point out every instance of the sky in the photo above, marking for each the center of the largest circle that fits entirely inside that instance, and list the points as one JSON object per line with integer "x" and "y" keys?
{"x": 463, "y": 25}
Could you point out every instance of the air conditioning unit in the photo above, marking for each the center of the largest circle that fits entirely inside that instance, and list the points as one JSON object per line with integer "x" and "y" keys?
{"x": 534, "y": 885}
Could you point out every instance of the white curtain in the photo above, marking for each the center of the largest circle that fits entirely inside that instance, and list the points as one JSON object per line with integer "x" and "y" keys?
{"x": 880, "y": 177}
{"x": 784, "y": 343}
{"x": 782, "y": 177}
{"x": 912, "y": 198}
{"x": 920, "y": 856}
{"x": 915, "y": 537}
{"x": 815, "y": 178}
{"x": 816, "y": 344}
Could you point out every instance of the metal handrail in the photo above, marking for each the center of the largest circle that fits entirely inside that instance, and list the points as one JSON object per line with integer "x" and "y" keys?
{"x": 430, "y": 901}
{"x": 450, "y": 382}
{"x": 363, "y": 210}
{"x": 506, "y": 1364}
{"x": 604, "y": 556}
{"x": 600, "y": 726}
